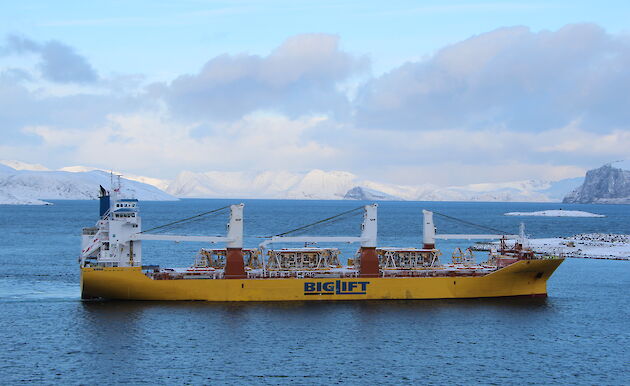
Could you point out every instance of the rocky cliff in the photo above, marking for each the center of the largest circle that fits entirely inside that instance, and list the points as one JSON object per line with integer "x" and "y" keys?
{"x": 606, "y": 185}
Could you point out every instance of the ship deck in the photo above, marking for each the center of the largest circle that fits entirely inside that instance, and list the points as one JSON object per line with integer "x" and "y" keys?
{"x": 448, "y": 270}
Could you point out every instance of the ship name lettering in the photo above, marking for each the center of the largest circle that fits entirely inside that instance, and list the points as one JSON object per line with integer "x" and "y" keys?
{"x": 336, "y": 287}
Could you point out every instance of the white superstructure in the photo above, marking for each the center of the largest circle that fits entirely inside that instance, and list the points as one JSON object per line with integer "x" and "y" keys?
{"x": 116, "y": 239}
{"x": 109, "y": 243}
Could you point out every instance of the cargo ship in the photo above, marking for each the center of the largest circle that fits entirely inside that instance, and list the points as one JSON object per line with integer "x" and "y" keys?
{"x": 111, "y": 264}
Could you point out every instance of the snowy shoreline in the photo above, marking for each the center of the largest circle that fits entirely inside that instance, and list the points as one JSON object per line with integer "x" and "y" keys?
{"x": 9, "y": 199}
{"x": 555, "y": 213}
{"x": 606, "y": 246}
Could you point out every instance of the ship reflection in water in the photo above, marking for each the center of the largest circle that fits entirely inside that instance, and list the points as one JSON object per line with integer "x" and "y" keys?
{"x": 329, "y": 341}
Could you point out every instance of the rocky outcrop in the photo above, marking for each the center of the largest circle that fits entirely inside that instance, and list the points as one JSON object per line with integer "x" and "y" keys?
{"x": 606, "y": 185}
{"x": 366, "y": 194}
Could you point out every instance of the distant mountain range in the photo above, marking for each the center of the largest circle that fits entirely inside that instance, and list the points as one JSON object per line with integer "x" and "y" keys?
{"x": 337, "y": 185}
{"x": 28, "y": 186}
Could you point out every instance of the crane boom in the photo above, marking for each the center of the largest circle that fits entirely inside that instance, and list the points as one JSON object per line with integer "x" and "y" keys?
{"x": 204, "y": 239}
{"x": 473, "y": 237}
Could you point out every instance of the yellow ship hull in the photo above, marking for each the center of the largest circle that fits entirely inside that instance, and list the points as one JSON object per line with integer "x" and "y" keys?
{"x": 523, "y": 278}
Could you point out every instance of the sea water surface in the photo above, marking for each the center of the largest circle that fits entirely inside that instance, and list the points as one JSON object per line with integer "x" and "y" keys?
{"x": 578, "y": 335}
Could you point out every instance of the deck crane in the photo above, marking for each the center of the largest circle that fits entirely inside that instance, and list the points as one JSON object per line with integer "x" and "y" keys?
{"x": 368, "y": 260}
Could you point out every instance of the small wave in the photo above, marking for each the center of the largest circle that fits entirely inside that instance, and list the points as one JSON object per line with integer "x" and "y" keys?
{"x": 12, "y": 289}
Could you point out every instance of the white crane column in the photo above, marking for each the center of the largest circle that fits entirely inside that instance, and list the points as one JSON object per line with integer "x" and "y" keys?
{"x": 234, "y": 264}
{"x": 235, "y": 227}
{"x": 428, "y": 230}
{"x": 368, "y": 260}
{"x": 369, "y": 227}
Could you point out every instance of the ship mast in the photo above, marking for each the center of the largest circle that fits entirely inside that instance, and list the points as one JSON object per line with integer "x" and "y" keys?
{"x": 430, "y": 234}
{"x": 368, "y": 260}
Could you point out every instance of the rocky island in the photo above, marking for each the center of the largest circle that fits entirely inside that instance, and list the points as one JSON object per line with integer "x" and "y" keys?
{"x": 605, "y": 185}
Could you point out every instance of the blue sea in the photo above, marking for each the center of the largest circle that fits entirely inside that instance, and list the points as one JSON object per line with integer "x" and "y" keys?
{"x": 578, "y": 335}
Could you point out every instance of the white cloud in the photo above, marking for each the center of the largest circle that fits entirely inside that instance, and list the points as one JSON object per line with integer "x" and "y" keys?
{"x": 58, "y": 62}
{"x": 507, "y": 105}
{"x": 155, "y": 144}
{"x": 511, "y": 77}
{"x": 299, "y": 77}
{"x": 573, "y": 140}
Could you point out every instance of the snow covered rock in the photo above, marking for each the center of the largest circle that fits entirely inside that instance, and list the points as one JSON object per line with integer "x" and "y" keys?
{"x": 582, "y": 246}
{"x": 556, "y": 213}
{"x": 605, "y": 185}
{"x": 9, "y": 199}
{"x": 367, "y": 194}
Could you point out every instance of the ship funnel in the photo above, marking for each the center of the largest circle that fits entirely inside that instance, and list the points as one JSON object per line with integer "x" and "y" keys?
{"x": 103, "y": 197}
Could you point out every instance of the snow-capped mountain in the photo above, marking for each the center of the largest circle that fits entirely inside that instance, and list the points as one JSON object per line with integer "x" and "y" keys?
{"x": 316, "y": 184}
{"x": 323, "y": 185}
{"x": 79, "y": 182}
{"x": 157, "y": 182}
{"x": 515, "y": 191}
{"x": 19, "y": 165}
{"x": 31, "y": 187}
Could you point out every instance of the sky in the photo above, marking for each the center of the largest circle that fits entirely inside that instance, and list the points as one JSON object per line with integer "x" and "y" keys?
{"x": 403, "y": 92}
